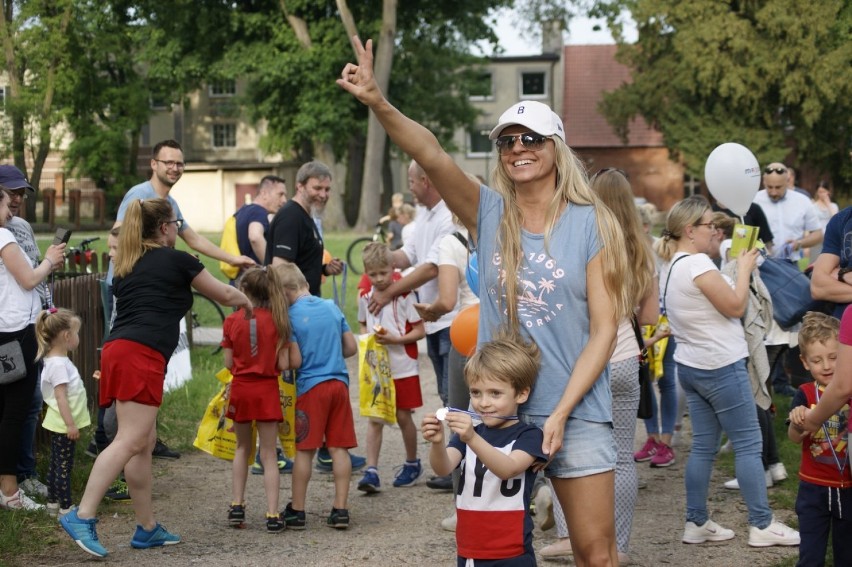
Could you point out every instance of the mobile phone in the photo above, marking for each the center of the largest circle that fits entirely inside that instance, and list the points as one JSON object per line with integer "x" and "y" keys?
{"x": 62, "y": 236}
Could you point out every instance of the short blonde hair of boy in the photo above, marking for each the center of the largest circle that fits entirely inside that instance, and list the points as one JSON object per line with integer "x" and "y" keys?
{"x": 817, "y": 327}
{"x": 506, "y": 359}
{"x": 290, "y": 276}
{"x": 376, "y": 255}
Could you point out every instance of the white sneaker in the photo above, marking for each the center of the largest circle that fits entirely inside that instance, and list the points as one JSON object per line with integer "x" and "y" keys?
{"x": 775, "y": 533}
{"x": 734, "y": 485}
{"x": 18, "y": 501}
{"x": 710, "y": 531}
{"x": 33, "y": 487}
{"x": 778, "y": 472}
{"x": 449, "y": 523}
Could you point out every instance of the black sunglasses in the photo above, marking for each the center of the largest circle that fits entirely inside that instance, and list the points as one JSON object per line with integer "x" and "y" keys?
{"x": 529, "y": 140}
{"x": 780, "y": 170}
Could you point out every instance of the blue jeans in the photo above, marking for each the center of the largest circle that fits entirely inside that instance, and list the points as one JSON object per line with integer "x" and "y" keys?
{"x": 665, "y": 415}
{"x": 820, "y": 509}
{"x": 721, "y": 399}
{"x": 438, "y": 347}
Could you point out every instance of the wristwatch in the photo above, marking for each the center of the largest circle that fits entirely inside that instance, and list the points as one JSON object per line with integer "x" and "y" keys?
{"x": 842, "y": 272}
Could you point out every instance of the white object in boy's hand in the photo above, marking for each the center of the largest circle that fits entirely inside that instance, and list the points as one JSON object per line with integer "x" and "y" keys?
{"x": 441, "y": 414}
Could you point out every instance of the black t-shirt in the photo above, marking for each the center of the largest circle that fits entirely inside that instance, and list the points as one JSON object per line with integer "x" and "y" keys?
{"x": 293, "y": 236}
{"x": 153, "y": 298}
{"x": 245, "y": 216}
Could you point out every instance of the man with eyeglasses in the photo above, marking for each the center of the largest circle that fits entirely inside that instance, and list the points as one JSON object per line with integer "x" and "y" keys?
{"x": 167, "y": 166}
{"x": 795, "y": 225}
{"x": 15, "y": 183}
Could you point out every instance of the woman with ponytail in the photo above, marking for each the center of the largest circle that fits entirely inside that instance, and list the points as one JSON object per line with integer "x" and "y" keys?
{"x": 153, "y": 288}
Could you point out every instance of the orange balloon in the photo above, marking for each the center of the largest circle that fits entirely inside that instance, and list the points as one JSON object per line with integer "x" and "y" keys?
{"x": 464, "y": 329}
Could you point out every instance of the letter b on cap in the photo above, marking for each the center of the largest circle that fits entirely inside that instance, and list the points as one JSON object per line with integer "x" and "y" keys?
{"x": 520, "y": 110}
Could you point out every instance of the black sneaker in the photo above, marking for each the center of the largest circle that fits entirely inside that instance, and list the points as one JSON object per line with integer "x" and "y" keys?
{"x": 118, "y": 492}
{"x": 295, "y": 519}
{"x": 275, "y": 524}
{"x": 94, "y": 448}
{"x": 338, "y": 519}
{"x": 162, "y": 451}
{"x": 236, "y": 515}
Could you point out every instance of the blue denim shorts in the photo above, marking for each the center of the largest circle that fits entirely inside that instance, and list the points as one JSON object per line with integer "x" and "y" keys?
{"x": 588, "y": 448}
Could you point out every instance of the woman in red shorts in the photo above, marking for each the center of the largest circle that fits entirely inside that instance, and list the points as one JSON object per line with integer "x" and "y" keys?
{"x": 153, "y": 288}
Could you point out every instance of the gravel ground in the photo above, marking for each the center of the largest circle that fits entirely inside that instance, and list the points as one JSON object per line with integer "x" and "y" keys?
{"x": 399, "y": 526}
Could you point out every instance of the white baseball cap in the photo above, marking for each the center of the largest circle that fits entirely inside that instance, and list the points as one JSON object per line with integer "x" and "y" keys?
{"x": 536, "y": 116}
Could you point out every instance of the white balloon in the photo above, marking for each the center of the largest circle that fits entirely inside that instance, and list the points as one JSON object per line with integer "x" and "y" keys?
{"x": 732, "y": 175}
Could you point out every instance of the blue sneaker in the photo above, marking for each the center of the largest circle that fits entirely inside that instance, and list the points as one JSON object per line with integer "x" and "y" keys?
{"x": 370, "y": 483}
{"x": 285, "y": 465}
{"x": 324, "y": 461}
{"x": 408, "y": 474}
{"x": 83, "y": 532}
{"x": 144, "y": 539}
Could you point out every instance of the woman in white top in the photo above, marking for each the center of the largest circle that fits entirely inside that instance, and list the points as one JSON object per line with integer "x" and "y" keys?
{"x": 20, "y": 305}
{"x": 825, "y": 208}
{"x": 704, "y": 310}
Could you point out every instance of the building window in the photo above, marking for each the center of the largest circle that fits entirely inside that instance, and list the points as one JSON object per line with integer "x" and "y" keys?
{"x": 224, "y": 135}
{"x": 482, "y": 87}
{"x": 534, "y": 84}
{"x": 691, "y": 185}
{"x": 478, "y": 144}
{"x": 2, "y": 99}
{"x": 223, "y": 88}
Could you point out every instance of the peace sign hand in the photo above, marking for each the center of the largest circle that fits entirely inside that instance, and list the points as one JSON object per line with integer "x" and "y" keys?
{"x": 358, "y": 80}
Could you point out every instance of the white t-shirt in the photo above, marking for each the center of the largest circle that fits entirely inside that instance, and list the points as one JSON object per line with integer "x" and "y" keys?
{"x": 432, "y": 225}
{"x": 20, "y": 306}
{"x": 397, "y": 317}
{"x": 789, "y": 218}
{"x": 706, "y": 339}
{"x": 60, "y": 370}
{"x": 453, "y": 253}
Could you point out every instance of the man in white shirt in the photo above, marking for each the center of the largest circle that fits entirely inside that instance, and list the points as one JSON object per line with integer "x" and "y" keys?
{"x": 795, "y": 225}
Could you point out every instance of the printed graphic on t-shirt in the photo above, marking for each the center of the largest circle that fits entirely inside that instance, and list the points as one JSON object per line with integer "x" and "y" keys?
{"x": 537, "y": 278}
{"x": 838, "y": 428}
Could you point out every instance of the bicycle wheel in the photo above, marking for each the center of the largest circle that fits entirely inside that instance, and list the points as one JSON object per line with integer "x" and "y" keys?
{"x": 353, "y": 254}
{"x": 207, "y": 319}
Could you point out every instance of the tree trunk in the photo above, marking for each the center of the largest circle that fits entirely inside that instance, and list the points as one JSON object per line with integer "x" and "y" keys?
{"x": 371, "y": 188}
{"x": 333, "y": 218}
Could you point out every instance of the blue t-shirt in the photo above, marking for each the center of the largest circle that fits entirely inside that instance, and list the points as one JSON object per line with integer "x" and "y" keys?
{"x": 552, "y": 301}
{"x": 838, "y": 241}
{"x": 245, "y": 216}
{"x": 318, "y": 327}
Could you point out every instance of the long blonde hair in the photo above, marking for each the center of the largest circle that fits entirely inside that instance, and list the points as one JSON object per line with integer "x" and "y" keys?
{"x": 572, "y": 186}
{"x": 685, "y": 213}
{"x": 140, "y": 231}
{"x": 613, "y": 189}
{"x": 50, "y": 323}
{"x": 263, "y": 287}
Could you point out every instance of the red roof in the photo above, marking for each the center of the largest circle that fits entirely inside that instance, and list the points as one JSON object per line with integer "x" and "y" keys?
{"x": 590, "y": 71}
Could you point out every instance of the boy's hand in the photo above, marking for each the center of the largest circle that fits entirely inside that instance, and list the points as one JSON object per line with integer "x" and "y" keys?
{"x": 388, "y": 338}
{"x": 462, "y": 424}
{"x": 73, "y": 433}
{"x": 96, "y": 374}
{"x": 432, "y": 429}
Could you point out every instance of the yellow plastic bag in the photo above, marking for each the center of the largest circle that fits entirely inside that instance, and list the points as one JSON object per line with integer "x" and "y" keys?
{"x": 658, "y": 350}
{"x": 287, "y": 428}
{"x": 375, "y": 382}
{"x": 216, "y": 432}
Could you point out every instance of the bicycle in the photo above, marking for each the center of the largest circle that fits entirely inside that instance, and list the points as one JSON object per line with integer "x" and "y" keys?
{"x": 355, "y": 250}
{"x": 81, "y": 259}
{"x": 206, "y": 314}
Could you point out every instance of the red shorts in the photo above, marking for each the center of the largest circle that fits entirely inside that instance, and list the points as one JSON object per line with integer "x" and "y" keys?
{"x": 324, "y": 413}
{"x": 408, "y": 395}
{"x": 254, "y": 398}
{"x": 131, "y": 372}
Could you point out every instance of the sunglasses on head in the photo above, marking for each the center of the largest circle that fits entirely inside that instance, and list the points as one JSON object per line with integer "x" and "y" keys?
{"x": 779, "y": 170}
{"x": 529, "y": 140}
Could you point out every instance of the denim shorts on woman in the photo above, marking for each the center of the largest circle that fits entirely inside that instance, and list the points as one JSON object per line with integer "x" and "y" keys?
{"x": 588, "y": 448}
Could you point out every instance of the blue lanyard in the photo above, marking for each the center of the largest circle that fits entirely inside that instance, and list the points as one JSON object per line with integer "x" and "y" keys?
{"x": 340, "y": 300}
{"x": 440, "y": 415}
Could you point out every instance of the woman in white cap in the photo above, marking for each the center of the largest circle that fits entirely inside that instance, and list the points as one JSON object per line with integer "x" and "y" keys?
{"x": 542, "y": 225}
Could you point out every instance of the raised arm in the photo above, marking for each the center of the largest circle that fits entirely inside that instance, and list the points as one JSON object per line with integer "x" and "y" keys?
{"x": 460, "y": 192}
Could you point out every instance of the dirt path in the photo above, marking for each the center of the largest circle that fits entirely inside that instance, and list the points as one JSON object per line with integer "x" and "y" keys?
{"x": 399, "y": 526}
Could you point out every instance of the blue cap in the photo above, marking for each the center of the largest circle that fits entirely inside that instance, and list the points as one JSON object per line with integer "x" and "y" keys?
{"x": 12, "y": 178}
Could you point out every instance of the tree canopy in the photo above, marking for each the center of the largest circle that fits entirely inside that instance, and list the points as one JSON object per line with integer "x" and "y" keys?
{"x": 774, "y": 75}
